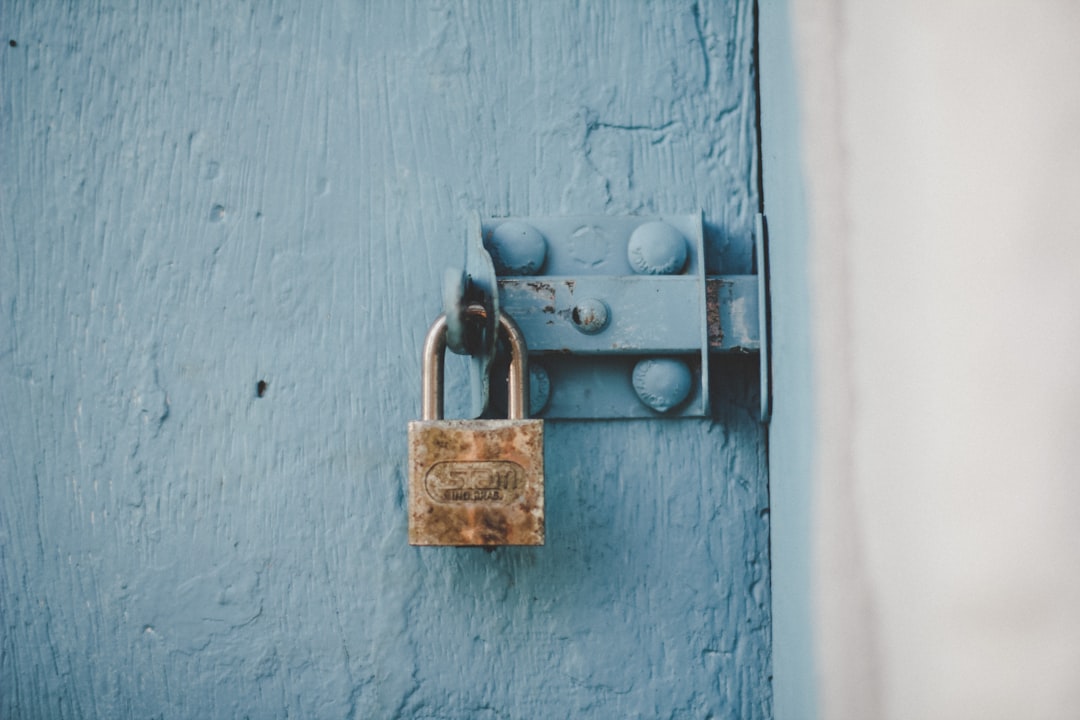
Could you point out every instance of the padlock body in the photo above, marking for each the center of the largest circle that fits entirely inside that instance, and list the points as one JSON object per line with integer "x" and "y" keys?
{"x": 476, "y": 482}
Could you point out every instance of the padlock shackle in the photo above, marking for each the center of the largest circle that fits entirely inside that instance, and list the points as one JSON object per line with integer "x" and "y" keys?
{"x": 431, "y": 384}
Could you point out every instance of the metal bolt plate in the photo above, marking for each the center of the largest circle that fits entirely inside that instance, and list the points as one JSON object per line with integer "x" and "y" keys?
{"x": 612, "y": 292}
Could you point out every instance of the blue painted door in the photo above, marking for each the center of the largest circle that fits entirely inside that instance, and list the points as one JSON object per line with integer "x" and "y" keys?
{"x": 222, "y": 233}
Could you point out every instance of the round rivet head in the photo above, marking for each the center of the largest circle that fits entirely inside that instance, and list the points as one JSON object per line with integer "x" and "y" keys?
{"x": 662, "y": 383}
{"x": 517, "y": 249}
{"x": 657, "y": 248}
{"x": 590, "y": 315}
{"x": 539, "y": 388}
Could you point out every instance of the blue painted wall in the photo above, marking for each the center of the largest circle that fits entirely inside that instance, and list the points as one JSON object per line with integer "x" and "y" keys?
{"x": 200, "y": 195}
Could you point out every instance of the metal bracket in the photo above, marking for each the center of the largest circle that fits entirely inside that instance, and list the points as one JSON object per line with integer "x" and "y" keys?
{"x": 619, "y": 315}
{"x": 761, "y": 256}
{"x": 475, "y": 284}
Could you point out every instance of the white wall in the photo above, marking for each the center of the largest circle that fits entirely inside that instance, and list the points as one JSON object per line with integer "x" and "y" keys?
{"x": 943, "y": 168}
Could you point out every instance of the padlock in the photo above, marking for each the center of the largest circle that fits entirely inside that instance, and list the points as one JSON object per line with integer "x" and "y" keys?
{"x": 476, "y": 482}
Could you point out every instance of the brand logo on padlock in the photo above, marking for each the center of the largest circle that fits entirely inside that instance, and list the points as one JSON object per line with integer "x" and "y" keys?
{"x": 476, "y": 482}
{"x": 484, "y": 481}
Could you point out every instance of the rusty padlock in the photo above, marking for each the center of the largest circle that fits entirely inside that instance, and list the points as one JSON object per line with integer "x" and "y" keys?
{"x": 476, "y": 482}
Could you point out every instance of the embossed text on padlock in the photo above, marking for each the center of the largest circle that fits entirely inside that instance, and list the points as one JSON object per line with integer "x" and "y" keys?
{"x": 476, "y": 482}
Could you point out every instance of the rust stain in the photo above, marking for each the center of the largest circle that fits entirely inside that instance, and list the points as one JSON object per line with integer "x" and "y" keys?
{"x": 712, "y": 312}
{"x": 476, "y": 482}
{"x": 543, "y": 290}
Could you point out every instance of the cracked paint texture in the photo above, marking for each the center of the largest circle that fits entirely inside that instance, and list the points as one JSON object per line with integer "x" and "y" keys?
{"x": 222, "y": 232}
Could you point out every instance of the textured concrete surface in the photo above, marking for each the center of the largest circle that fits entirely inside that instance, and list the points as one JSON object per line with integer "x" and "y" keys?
{"x": 200, "y": 197}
